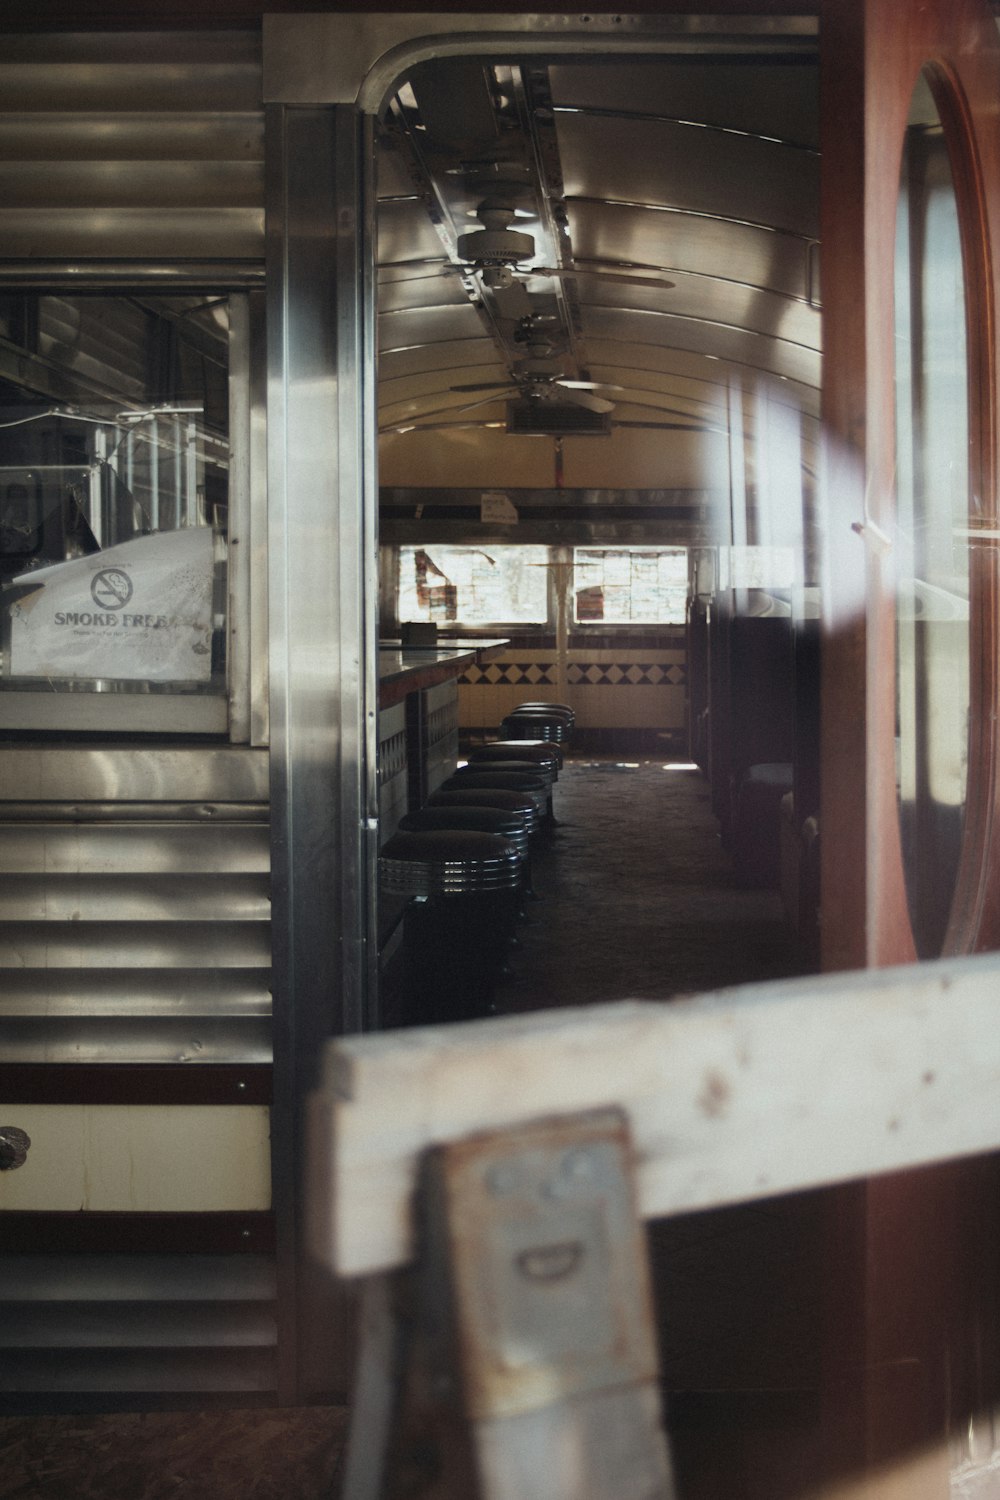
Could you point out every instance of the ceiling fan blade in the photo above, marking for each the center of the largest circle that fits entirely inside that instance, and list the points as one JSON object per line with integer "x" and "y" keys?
{"x": 622, "y": 278}
{"x": 448, "y": 268}
{"x": 504, "y": 390}
{"x": 592, "y": 403}
{"x": 589, "y": 385}
{"x": 481, "y": 385}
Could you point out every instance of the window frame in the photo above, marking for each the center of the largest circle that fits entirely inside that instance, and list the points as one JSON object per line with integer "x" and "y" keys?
{"x": 544, "y": 623}
{"x": 603, "y": 627}
{"x": 239, "y": 713}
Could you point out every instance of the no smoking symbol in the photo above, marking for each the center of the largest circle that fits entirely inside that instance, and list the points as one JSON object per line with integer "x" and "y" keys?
{"x": 111, "y": 588}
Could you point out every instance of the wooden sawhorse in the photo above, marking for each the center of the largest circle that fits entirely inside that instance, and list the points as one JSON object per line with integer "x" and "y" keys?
{"x": 490, "y": 1179}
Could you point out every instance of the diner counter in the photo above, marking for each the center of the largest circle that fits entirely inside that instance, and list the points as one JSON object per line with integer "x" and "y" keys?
{"x": 409, "y": 669}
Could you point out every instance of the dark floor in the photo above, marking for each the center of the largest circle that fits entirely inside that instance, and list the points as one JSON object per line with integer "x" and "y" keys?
{"x": 638, "y": 901}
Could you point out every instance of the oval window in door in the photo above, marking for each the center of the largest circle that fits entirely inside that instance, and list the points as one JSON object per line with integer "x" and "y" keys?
{"x": 936, "y": 461}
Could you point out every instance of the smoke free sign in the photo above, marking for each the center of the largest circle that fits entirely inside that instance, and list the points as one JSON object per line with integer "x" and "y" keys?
{"x": 140, "y": 611}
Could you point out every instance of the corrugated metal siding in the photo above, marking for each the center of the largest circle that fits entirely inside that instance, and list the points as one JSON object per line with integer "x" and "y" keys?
{"x": 134, "y": 930}
{"x": 155, "y": 1325}
{"x": 134, "y": 941}
{"x": 140, "y": 145}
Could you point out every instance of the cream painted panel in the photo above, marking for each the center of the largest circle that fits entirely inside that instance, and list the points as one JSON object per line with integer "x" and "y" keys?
{"x": 467, "y": 457}
{"x": 638, "y": 458}
{"x": 484, "y": 707}
{"x": 631, "y": 458}
{"x": 151, "y": 1158}
{"x": 626, "y": 707}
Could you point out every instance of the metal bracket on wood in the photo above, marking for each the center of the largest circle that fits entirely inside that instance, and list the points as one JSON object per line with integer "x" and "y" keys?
{"x": 517, "y": 1359}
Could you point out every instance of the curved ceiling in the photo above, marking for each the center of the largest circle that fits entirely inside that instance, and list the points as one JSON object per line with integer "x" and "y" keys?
{"x": 672, "y": 205}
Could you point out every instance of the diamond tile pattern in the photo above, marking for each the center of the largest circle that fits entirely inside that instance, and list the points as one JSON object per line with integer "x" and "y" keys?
{"x": 631, "y": 674}
{"x": 597, "y": 674}
{"x": 514, "y": 674}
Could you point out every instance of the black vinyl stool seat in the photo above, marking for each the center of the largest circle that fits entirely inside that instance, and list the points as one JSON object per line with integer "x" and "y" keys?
{"x": 485, "y": 796}
{"x": 503, "y": 781}
{"x": 546, "y": 769}
{"x": 539, "y": 752}
{"x": 509, "y": 823}
{"x": 453, "y": 862}
{"x": 535, "y": 725}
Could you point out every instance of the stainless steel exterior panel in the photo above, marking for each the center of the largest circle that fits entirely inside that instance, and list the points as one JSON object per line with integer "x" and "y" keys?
{"x": 231, "y": 233}
{"x": 130, "y": 184}
{"x": 139, "y": 1371}
{"x": 95, "y": 994}
{"x": 323, "y": 698}
{"x": 134, "y": 930}
{"x": 185, "y": 897}
{"x": 127, "y": 1278}
{"x": 113, "y": 1039}
{"x": 36, "y": 773}
{"x": 127, "y": 138}
{"x": 130, "y": 1326}
{"x": 157, "y": 1324}
{"x": 136, "y": 144}
{"x": 141, "y": 71}
{"x": 136, "y": 945}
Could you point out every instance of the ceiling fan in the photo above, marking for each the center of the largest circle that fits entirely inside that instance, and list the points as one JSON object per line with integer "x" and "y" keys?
{"x": 543, "y": 385}
{"x": 538, "y": 377}
{"x": 500, "y": 254}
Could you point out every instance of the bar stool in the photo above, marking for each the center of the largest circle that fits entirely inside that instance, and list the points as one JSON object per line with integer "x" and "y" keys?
{"x": 511, "y": 823}
{"x": 525, "y": 804}
{"x": 482, "y": 796}
{"x": 541, "y": 752}
{"x": 466, "y": 882}
{"x": 535, "y": 724}
{"x": 546, "y": 769}
{"x": 506, "y": 781}
{"x": 548, "y": 708}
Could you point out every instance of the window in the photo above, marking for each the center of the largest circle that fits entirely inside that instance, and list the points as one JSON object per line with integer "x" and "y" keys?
{"x": 114, "y": 508}
{"x": 762, "y": 568}
{"x": 474, "y": 585}
{"x": 630, "y": 585}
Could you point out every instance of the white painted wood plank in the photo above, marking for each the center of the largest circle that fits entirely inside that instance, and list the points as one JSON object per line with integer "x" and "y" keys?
{"x": 731, "y": 1096}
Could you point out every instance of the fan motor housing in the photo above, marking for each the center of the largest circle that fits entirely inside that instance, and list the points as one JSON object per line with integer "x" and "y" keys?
{"x": 495, "y": 247}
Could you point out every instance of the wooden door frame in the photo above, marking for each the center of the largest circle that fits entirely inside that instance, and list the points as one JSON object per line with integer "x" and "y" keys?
{"x": 870, "y": 61}
{"x": 904, "y": 1289}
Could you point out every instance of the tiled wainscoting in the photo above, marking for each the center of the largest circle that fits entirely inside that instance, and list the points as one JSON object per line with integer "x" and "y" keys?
{"x": 630, "y": 683}
{"x": 393, "y": 785}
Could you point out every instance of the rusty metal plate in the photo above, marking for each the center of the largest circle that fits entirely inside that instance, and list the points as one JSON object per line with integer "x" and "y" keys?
{"x": 538, "y": 1247}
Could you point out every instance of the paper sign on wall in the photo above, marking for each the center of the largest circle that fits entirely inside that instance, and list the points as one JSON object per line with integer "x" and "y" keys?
{"x": 494, "y": 506}
{"x": 140, "y": 611}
